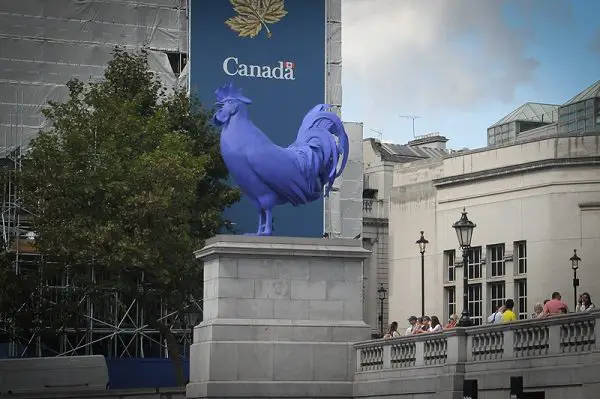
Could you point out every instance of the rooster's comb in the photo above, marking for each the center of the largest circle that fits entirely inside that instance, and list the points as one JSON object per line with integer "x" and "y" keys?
{"x": 229, "y": 91}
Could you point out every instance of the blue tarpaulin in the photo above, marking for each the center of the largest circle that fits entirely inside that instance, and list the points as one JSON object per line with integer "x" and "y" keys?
{"x": 127, "y": 373}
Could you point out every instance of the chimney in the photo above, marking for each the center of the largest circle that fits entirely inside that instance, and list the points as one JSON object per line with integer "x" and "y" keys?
{"x": 430, "y": 140}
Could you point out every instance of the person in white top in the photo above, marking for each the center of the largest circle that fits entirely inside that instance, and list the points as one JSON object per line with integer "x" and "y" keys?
{"x": 393, "y": 331}
{"x": 585, "y": 303}
{"x": 435, "y": 325}
{"x": 413, "y": 321}
{"x": 496, "y": 317}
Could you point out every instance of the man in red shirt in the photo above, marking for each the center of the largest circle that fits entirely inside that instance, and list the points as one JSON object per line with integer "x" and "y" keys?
{"x": 555, "y": 305}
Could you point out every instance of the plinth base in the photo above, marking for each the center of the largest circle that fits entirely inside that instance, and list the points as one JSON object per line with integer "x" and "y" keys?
{"x": 281, "y": 316}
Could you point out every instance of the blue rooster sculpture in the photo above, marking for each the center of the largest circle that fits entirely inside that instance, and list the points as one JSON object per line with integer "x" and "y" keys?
{"x": 270, "y": 175}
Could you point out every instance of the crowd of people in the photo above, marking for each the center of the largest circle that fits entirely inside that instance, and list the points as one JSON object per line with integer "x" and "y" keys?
{"x": 504, "y": 314}
{"x": 421, "y": 325}
{"x": 557, "y": 306}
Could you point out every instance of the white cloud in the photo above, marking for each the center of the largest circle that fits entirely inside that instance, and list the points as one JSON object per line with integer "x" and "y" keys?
{"x": 426, "y": 54}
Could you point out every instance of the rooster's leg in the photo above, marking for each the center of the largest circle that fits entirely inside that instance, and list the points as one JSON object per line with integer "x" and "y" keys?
{"x": 268, "y": 230}
{"x": 261, "y": 222}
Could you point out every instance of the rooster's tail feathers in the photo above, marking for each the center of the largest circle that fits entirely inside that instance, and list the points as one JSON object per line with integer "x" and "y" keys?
{"x": 320, "y": 117}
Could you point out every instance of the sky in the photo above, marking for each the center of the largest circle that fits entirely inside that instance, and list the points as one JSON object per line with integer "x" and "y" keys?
{"x": 462, "y": 65}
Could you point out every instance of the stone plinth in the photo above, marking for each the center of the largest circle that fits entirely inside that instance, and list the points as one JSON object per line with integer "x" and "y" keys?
{"x": 280, "y": 317}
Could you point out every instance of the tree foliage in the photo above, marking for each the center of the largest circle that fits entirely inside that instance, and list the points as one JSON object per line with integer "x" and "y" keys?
{"x": 125, "y": 185}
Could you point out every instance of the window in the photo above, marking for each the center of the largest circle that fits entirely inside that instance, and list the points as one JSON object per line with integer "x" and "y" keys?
{"x": 474, "y": 265}
{"x": 177, "y": 61}
{"x": 521, "y": 257}
{"x": 475, "y": 303}
{"x": 497, "y": 295}
{"x": 450, "y": 267}
{"x": 571, "y": 118}
{"x": 497, "y": 260}
{"x": 450, "y": 296}
{"x": 521, "y": 294}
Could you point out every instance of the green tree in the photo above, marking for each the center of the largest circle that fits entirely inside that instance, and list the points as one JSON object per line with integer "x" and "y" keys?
{"x": 126, "y": 184}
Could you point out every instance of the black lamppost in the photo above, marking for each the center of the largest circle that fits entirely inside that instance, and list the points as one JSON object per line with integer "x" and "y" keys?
{"x": 464, "y": 232}
{"x": 575, "y": 265}
{"x": 382, "y": 292}
{"x": 422, "y": 242}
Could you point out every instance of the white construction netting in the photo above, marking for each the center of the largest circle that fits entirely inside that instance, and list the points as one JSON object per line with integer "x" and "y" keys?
{"x": 43, "y": 44}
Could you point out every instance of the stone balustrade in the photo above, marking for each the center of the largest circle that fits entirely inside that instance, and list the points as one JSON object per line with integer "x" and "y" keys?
{"x": 471, "y": 352}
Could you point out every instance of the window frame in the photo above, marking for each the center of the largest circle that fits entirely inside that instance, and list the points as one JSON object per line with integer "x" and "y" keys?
{"x": 497, "y": 265}
{"x": 520, "y": 257}
{"x": 474, "y": 303}
{"x": 450, "y": 266}
{"x": 495, "y": 300}
{"x": 472, "y": 266}
{"x": 450, "y": 306}
{"x": 521, "y": 296}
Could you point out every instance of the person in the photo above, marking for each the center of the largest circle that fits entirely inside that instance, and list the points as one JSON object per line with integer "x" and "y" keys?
{"x": 538, "y": 311}
{"x": 555, "y": 305}
{"x": 585, "y": 303}
{"x": 420, "y": 326}
{"x": 393, "y": 331}
{"x": 452, "y": 321}
{"x": 412, "y": 320}
{"x": 496, "y": 317}
{"x": 509, "y": 315}
{"x": 426, "y": 323}
{"x": 435, "y": 325}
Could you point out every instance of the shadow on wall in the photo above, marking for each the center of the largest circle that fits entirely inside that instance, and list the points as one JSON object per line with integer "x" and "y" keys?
{"x": 143, "y": 373}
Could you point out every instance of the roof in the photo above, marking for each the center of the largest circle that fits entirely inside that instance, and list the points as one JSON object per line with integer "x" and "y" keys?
{"x": 591, "y": 92}
{"x": 404, "y": 153}
{"x": 531, "y": 112}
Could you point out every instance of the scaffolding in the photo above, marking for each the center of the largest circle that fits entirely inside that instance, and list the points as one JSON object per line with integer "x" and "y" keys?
{"x": 77, "y": 41}
{"x": 111, "y": 324}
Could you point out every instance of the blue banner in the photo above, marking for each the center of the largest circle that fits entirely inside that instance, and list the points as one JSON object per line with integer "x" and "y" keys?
{"x": 275, "y": 51}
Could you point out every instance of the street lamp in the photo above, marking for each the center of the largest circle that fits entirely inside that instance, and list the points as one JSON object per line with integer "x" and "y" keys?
{"x": 575, "y": 265}
{"x": 382, "y": 292}
{"x": 422, "y": 243}
{"x": 464, "y": 232}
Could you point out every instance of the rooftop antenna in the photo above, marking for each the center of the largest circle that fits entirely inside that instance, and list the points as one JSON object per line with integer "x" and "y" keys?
{"x": 413, "y": 117}
{"x": 379, "y": 133}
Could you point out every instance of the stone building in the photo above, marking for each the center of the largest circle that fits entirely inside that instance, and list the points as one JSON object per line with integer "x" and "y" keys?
{"x": 379, "y": 160}
{"x": 534, "y": 198}
{"x": 534, "y": 201}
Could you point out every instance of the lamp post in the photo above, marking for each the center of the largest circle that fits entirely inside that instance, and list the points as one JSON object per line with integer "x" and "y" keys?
{"x": 464, "y": 232}
{"x": 382, "y": 292}
{"x": 422, "y": 243}
{"x": 575, "y": 265}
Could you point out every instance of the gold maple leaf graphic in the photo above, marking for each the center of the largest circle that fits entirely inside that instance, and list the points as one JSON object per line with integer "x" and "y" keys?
{"x": 253, "y": 15}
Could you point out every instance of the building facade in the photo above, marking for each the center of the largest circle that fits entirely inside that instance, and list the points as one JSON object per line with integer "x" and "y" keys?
{"x": 343, "y": 217}
{"x": 533, "y": 201}
{"x": 379, "y": 161}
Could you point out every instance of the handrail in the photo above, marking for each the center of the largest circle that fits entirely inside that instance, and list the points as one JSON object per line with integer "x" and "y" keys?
{"x": 560, "y": 334}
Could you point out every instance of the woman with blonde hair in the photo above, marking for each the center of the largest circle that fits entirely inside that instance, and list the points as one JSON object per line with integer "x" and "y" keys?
{"x": 538, "y": 311}
{"x": 452, "y": 321}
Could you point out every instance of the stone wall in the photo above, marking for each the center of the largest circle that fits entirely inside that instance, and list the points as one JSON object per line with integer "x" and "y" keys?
{"x": 558, "y": 355}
